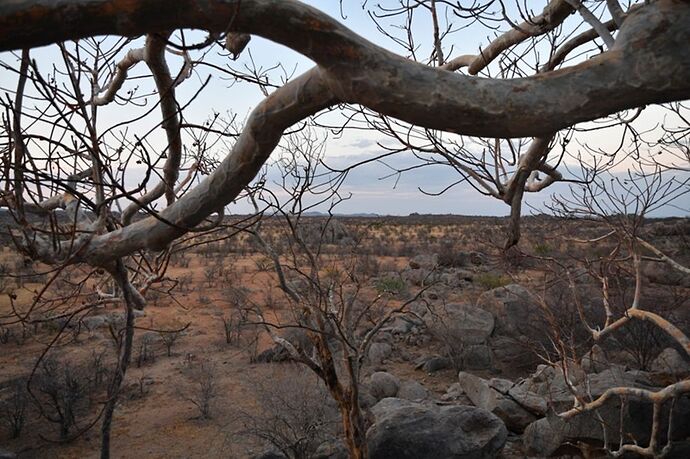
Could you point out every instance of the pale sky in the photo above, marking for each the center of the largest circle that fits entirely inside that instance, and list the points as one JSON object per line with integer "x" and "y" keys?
{"x": 371, "y": 192}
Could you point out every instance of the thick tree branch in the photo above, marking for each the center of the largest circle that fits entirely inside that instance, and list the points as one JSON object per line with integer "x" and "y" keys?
{"x": 369, "y": 75}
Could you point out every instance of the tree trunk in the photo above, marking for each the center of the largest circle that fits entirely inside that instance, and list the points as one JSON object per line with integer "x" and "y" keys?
{"x": 353, "y": 426}
{"x": 123, "y": 363}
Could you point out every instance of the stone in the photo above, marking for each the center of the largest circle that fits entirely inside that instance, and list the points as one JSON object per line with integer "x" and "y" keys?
{"x": 545, "y": 436}
{"x": 504, "y": 401}
{"x": 595, "y": 360}
{"x": 476, "y": 357}
{"x": 519, "y": 326}
{"x": 434, "y": 364}
{"x": 378, "y": 352}
{"x": 412, "y": 390}
{"x": 530, "y": 401}
{"x": 270, "y": 454}
{"x": 383, "y": 384}
{"x": 427, "y": 262}
{"x": 465, "y": 322}
{"x": 407, "y": 430}
{"x": 664, "y": 274}
{"x": 671, "y": 362}
{"x": 514, "y": 309}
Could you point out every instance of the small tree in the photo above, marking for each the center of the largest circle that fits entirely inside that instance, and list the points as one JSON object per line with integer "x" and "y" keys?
{"x": 203, "y": 387}
{"x": 295, "y": 413}
{"x": 13, "y": 409}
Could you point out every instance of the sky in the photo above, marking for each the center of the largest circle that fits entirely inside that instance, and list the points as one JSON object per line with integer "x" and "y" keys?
{"x": 374, "y": 188}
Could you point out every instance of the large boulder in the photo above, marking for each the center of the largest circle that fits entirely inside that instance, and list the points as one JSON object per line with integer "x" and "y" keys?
{"x": 518, "y": 325}
{"x": 545, "y": 436}
{"x": 378, "y": 352}
{"x": 464, "y": 330}
{"x": 664, "y": 274}
{"x": 383, "y": 384}
{"x": 516, "y": 406}
{"x": 295, "y": 336}
{"x": 670, "y": 361}
{"x": 412, "y": 390}
{"x": 409, "y": 430}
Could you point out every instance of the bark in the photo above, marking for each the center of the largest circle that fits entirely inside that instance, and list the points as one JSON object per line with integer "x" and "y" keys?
{"x": 132, "y": 301}
{"x": 648, "y": 64}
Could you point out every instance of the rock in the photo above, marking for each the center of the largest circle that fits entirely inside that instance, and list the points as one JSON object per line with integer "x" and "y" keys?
{"x": 595, "y": 360}
{"x": 408, "y": 430}
{"x": 514, "y": 309}
{"x": 270, "y": 454}
{"x": 464, "y": 330}
{"x": 4, "y": 454}
{"x": 515, "y": 406}
{"x": 427, "y": 262}
{"x": 454, "y": 393}
{"x": 378, "y": 352}
{"x": 671, "y": 362}
{"x": 663, "y": 273}
{"x": 412, "y": 390}
{"x": 295, "y": 336}
{"x": 434, "y": 364}
{"x": 519, "y": 325}
{"x": 383, "y": 384}
{"x": 465, "y": 322}
{"x": 478, "y": 391}
{"x": 332, "y": 450}
{"x": 476, "y": 357}
{"x": 546, "y": 435}
{"x": 528, "y": 400}
{"x": 366, "y": 400}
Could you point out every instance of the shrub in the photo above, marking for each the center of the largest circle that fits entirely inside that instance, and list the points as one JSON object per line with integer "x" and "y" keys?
{"x": 490, "y": 281}
{"x": 295, "y": 413}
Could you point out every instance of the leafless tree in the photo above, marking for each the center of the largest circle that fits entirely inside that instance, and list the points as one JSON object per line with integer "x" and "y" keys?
{"x": 327, "y": 294}
{"x": 107, "y": 237}
{"x": 620, "y": 205}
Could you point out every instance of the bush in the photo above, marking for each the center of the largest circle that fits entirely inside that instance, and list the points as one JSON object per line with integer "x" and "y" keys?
{"x": 13, "y": 409}
{"x": 204, "y": 388}
{"x": 63, "y": 388}
{"x": 391, "y": 285}
{"x": 490, "y": 281}
{"x": 295, "y": 412}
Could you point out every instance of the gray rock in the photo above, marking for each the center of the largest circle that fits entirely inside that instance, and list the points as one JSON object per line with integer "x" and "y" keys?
{"x": 426, "y": 262}
{"x": 4, "y": 454}
{"x": 378, "y": 352}
{"x": 383, "y": 384}
{"x": 528, "y": 400}
{"x": 412, "y": 390}
{"x": 405, "y": 430}
{"x": 595, "y": 360}
{"x": 503, "y": 405}
{"x": 332, "y": 450}
{"x": 546, "y": 435}
{"x": 464, "y": 322}
{"x": 434, "y": 364}
{"x": 270, "y": 454}
{"x": 478, "y": 391}
{"x": 476, "y": 357}
{"x": 519, "y": 326}
{"x": 454, "y": 393}
{"x": 670, "y": 361}
{"x": 663, "y": 273}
